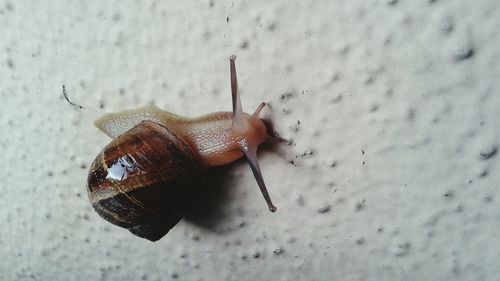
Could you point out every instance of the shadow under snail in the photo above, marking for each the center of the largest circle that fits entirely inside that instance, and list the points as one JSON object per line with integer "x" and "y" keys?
{"x": 143, "y": 177}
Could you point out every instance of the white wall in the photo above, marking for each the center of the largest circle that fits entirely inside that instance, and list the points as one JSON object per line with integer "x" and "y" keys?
{"x": 401, "y": 95}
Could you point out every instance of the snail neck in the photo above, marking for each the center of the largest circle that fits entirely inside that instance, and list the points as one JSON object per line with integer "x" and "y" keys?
{"x": 215, "y": 142}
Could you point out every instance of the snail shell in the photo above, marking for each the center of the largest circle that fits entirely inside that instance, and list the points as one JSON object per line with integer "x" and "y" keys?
{"x": 143, "y": 179}
{"x": 132, "y": 185}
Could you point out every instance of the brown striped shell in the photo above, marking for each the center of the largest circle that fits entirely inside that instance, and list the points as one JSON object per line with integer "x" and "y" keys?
{"x": 141, "y": 180}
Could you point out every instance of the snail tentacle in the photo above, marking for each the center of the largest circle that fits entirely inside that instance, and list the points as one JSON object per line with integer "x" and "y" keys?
{"x": 238, "y": 114}
{"x": 251, "y": 155}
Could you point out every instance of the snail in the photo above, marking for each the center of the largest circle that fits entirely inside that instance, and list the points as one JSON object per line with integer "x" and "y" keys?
{"x": 142, "y": 179}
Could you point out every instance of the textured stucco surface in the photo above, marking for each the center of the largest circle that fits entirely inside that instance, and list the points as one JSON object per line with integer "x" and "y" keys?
{"x": 393, "y": 108}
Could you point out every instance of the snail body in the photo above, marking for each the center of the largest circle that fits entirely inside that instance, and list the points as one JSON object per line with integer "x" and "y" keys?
{"x": 143, "y": 177}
